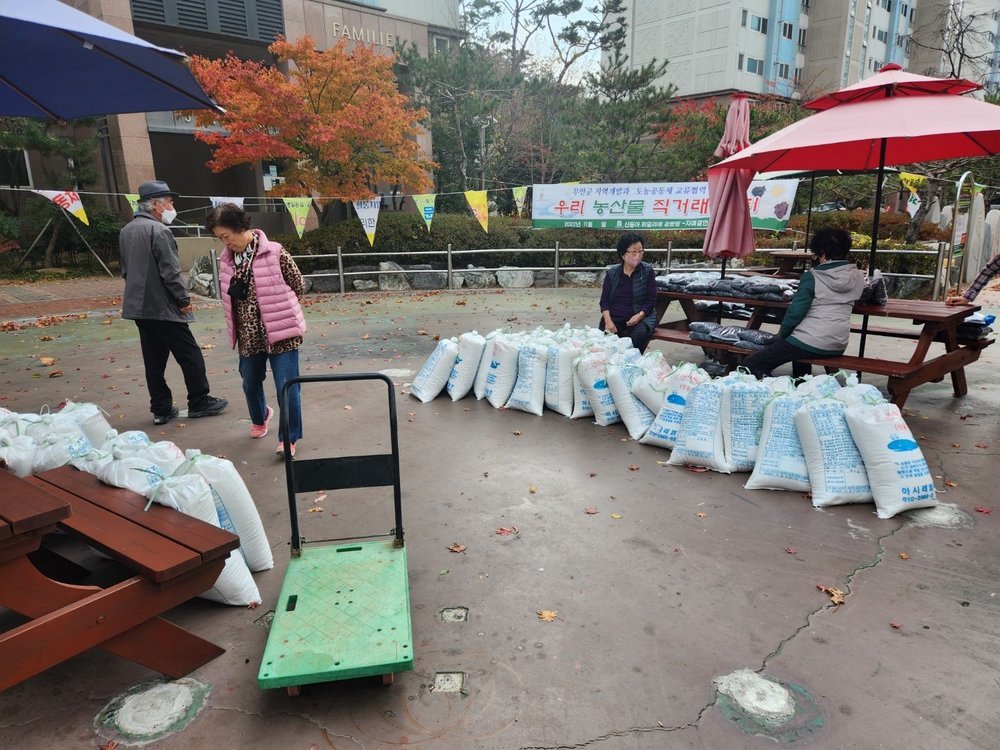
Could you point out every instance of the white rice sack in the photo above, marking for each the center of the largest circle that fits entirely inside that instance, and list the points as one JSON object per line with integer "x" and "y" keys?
{"x": 742, "y": 419}
{"x": 93, "y": 462}
{"x": 132, "y": 473}
{"x": 24, "y": 424}
{"x": 91, "y": 420}
{"x": 59, "y": 449}
{"x": 463, "y": 374}
{"x": 581, "y": 403}
{"x": 503, "y": 371}
{"x": 699, "y": 438}
{"x": 818, "y": 386}
{"x": 433, "y": 376}
{"x": 164, "y": 454}
{"x": 17, "y": 454}
{"x": 836, "y": 471}
{"x": 651, "y": 386}
{"x": 780, "y": 383}
{"x": 593, "y": 371}
{"x": 45, "y": 425}
{"x": 633, "y": 412}
{"x": 781, "y": 464}
{"x": 529, "y": 389}
{"x": 663, "y": 430}
{"x": 479, "y": 385}
{"x": 860, "y": 394}
{"x": 191, "y": 495}
{"x": 559, "y": 378}
{"x": 126, "y": 443}
{"x": 234, "y": 505}
{"x": 899, "y": 475}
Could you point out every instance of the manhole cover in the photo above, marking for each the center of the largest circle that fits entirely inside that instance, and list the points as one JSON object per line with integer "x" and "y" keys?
{"x": 449, "y": 682}
{"x": 454, "y": 614}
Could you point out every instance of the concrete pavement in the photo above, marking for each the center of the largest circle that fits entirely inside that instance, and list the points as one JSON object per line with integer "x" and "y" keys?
{"x": 694, "y": 581}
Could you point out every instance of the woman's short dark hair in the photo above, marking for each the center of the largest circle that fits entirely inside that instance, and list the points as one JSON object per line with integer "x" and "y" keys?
{"x": 627, "y": 240}
{"x": 834, "y": 243}
{"x": 228, "y": 216}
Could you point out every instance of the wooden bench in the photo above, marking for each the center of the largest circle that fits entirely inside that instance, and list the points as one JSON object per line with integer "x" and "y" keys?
{"x": 172, "y": 557}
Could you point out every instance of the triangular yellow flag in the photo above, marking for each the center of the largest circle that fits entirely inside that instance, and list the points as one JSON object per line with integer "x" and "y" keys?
{"x": 68, "y": 201}
{"x": 477, "y": 202}
{"x": 520, "y": 193}
{"x": 133, "y": 201}
{"x": 299, "y": 209}
{"x": 425, "y": 205}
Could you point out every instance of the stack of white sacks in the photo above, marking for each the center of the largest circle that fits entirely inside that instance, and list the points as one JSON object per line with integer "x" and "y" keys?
{"x": 199, "y": 485}
{"x": 841, "y": 444}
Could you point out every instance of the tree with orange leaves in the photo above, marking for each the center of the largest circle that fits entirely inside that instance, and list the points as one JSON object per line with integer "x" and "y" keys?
{"x": 336, "y": 117}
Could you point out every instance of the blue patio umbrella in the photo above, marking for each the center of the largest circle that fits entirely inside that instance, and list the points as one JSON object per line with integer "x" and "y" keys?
{"x": 59, "y": 63}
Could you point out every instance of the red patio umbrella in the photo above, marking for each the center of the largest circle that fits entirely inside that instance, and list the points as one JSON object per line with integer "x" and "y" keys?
{"x": 892, "y": 118}
{"x": 729, "y": 233}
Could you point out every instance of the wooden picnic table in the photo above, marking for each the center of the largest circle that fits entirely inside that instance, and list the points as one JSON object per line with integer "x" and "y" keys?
{"x": 791, "y": 262}
{"x": 933, "y": 322}
{"x": 171, "y": 557}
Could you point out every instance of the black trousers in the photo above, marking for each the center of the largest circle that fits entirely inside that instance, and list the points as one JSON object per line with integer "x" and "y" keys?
{"x": 763, "y": 362}
{"x": 640, "y": 333}
{"x": 160, "y": 339}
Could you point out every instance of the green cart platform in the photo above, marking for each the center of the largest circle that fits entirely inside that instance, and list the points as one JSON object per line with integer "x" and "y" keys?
{"x": 344, "y": 607}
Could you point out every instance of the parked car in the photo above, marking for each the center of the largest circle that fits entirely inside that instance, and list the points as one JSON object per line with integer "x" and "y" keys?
{"x": 831, "y": 206}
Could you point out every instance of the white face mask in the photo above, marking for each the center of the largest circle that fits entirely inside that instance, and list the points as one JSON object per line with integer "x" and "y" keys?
{"x": 168, "y": 216}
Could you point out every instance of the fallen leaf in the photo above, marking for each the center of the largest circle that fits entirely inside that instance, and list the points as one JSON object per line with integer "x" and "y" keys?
{"x": 460, "y": 302}
{"x": 982, "y": 445}
{"x": 896, "y": 625}
{"x": 56, "y": 374}
{"x": 532, "y": 489}
{"x": 456, "y": 547}
{"x": 662, "y": 463}
{"x": 623, "y": 440}
{"x": 702, "y": 515}
{"x": 955, "y": 445}
{"x": 807, "y": 496}
{"x": 365, "y": 337}
{"x": 696, "y": 469}
{"x": 633, "y": 467}
{"x": 590, "y": 510}
{"x": 442, "y": 572}
{"x": 791, "y": 550}
{"x": 966, "y": 416}
{"x": 47, "y": 361}
{"x": 46, "y": 338}
{"x": 517, "y": 433}
{"x": 547, "y": 615}
{"x": 421, "y": 332}
{"x": 949, "y": 483}
{"x": 109, "y": 745}
{"x": 592, "y": 474}
{"x": 836, "y": 595}
{"x": 504, "y": 531}
{"x": 348, "y": 408}
{"x": 903, "y": 556}
{"x": 201, "y": 346}
{"x": 616, "y": 516}
{"x": 437, "y": 336}
{"x": 320, "y": 498}
{"x": 317, "y": 509}
{"x": 983, "y": 509}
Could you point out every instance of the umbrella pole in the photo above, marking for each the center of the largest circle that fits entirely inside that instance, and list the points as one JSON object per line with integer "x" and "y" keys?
{"x": 718, "y": 316}
{"x": 809, "y": 209}
{"x": 875, "y": 219}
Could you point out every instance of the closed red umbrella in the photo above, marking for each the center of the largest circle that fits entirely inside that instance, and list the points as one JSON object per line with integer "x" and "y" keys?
{"x": 729, "y": 233}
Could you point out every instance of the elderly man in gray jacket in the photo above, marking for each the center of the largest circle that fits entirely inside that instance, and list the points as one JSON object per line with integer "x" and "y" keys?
{"x": 159, "y": 303}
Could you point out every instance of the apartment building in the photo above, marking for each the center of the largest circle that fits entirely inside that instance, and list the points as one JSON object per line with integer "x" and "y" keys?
{"x": 958, "y": 37}
{"x": 788, "y": 48}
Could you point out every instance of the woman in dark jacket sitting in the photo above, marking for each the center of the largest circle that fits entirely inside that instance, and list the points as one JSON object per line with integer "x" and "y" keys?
{"x": 628, "y": 300}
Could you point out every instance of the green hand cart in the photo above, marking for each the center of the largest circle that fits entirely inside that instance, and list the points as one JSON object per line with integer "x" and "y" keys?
{"x": 344, "y": 607}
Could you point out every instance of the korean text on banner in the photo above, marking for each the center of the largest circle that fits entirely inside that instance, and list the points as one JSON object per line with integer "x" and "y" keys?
{"x": 663, "y": 205}
{"x": 299, "y": 210}
{"x": 368, "y": 213}
{"x": 218, "y": 200}
{"x": 68, "y": 201}
{"x": 477, "y": 202}
{"x": 520, "y": 195}
{"x": 425, "y": 205}
{"x": 133, "y": 201}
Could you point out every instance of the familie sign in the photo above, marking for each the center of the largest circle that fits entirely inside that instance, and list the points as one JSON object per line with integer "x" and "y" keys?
{"x": 653, "y": 205}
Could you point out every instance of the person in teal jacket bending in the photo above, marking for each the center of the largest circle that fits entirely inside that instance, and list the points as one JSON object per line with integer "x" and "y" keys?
{"x": 818, "y": 321}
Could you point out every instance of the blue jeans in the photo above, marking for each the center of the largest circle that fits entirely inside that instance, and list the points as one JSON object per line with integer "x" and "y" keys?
{"x": 284, "y": 367}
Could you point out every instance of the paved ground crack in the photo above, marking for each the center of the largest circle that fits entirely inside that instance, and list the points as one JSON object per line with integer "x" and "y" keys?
{"x": 847, "y": 591}
{"x": 622, "y": 733}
